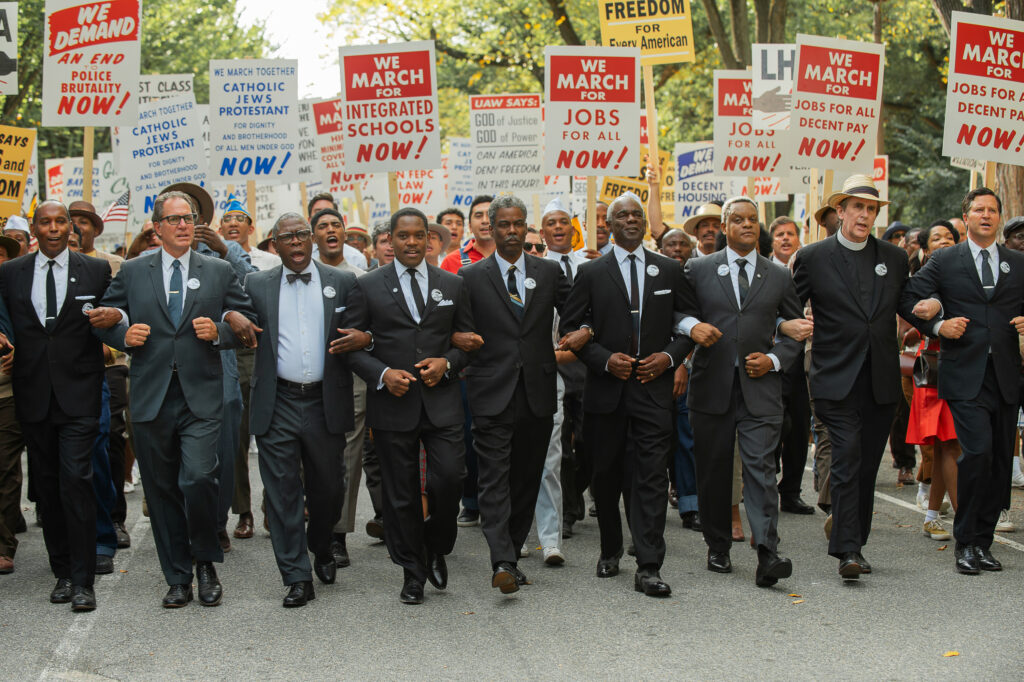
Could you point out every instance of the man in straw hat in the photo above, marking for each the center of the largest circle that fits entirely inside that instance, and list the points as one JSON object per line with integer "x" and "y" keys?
{"x": 84, "y": 217}
{"x": 704, "y": 225}
{"x": 853, "y": 282}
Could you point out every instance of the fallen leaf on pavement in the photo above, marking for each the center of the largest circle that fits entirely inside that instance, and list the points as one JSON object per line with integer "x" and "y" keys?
{"x": 468, "y": 613}
{"x": 794, "y": 595}
{"x": 943, "y": 547}
{"x": 950, "y": 654}
{"x": 799, "y": 601}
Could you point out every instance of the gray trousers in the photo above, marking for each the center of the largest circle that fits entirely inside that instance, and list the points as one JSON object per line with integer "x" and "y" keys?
{"x": 353, "y": 458}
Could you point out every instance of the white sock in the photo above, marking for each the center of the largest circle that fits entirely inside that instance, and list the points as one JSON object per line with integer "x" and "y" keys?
{"x": 924, "y": 488}
{"x": 931, "y": 515}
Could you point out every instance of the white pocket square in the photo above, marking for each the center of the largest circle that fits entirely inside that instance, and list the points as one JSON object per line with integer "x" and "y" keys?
{"x": 662, "y": 292}
{"x": 84, "y": 298}
{"x": 445, "y": 302}
{"x": 341, "y": 309}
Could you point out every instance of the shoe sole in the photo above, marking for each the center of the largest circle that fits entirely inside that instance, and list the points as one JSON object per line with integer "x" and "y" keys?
{"x": 939, "y": 538}
{"x": 652, "y": 593}
{"x": 851, "y": 572}
{"x": 176, "y": 606}
{"x": 411, "y": 602}
{"x": 374, "y": 531}
{"x": 716, "y": 569}
{"x": 506, "y": 582}
{"x": 968, "y": 571}
{"x": 298, "y": 604}
{"x": 83, "y": 608}
{"x": 212, "y": 603}
{"x": 467, "y": 524}
{"x": 554, "y": 560}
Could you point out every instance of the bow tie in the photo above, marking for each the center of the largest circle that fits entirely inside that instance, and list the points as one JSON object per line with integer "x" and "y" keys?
{"x": 305, "y": 277}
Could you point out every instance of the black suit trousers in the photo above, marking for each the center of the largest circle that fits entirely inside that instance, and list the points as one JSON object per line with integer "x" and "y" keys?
{"x": 791, "y": 455}
{"x": 511, "y": 447}
{"x": 576, "y": 467}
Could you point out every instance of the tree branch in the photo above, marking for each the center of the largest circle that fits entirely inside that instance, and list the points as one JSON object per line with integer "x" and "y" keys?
{"x": 565, "y": 28}
{"x": 718, "y": 32}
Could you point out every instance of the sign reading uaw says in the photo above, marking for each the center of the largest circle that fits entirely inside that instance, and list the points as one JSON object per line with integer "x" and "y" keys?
{"x": 740, "y": 149}
{"x": 507, "y": 143}
{"x": 662, "y": 29}
{"x": 985, "y": 95}
{"x": 592, "y": 110}
{"x": 91, "y": 62}
{"x": 837, "y": 98}
{"x": 390, "y": 94}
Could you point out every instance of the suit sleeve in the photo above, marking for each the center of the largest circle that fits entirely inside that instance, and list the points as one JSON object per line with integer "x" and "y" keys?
{"x": 577, "y": 311}
{"x": 922, "y": 285}
{"x": 801, "y": 277}
{"x": 116, "y": 296}
{"x": 236, "y": 300}
{"x": 562, "y": 290}
{"x": 357, "y": 316}
{"x": 6, "y": 328}
{"x": 786, "y": 349}
{"x": 463, "y": 323}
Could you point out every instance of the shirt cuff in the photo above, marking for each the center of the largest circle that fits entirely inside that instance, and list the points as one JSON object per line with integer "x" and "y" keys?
{"x": 380, "y": 381}
{"x": 686, "y": 325}
{"x": 124, "y": 317}
{"x": 671, "y": 362}
{"x": 935, "y": 328}
{"x": 775, "y": 362}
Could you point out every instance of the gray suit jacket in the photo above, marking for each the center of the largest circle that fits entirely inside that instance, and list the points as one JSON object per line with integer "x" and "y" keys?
{"x": 264, "y": 288}
{"x": 748, "y": 330}
{"x": 138, "y": 290}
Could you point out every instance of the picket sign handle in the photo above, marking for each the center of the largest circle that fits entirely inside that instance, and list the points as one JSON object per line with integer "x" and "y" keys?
{"x": 536, "y": 210}
{"x": 304, "y": 195}
{"x": 361, "y": 207}
{"x": 653, "y": 158}
{"x": 393, "y": 191}
{"x": 88, "y": 140}
{"x": 250, "y": 198}
{"x": 974, "y": 179}
{"x": 812, "y": 206}
{"x": 990, "y": 174}
{"x": 751, "y": 187}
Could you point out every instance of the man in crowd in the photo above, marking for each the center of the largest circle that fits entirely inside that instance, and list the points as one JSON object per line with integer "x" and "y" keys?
{"x": 84, "y": 217}
{"x": 383, "y": 252}
{"x": 785, "y": 239}
{"x": 325, "y": 200}
{"x": 704, "y": 225}
{"x": 454, "y": 221}
{"x": 604, "y": 243}
{"x": 438, "y": 238}
{"x": 18, "y": 230}
{"x": 236, "y": 225}
{"x": 676, "y": 244}
{"x": 11, "y": 443}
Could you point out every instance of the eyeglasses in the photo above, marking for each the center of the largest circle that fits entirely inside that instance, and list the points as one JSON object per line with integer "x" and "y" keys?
{"x": 235, "y": 218}
{"x": 539, "y": 248}
{"x": 175, "y": 220}
{"x": 301, "y": 235}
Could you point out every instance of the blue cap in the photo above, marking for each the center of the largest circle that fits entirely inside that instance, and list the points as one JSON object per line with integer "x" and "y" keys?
{"x": 236, "y": 206}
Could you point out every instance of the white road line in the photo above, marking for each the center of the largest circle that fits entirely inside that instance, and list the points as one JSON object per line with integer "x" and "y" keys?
{"x": 61, "y": 663}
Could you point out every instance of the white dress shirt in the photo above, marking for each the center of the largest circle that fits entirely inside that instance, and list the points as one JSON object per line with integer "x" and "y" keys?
{"x": 993, "y": 263}
{"x": 60, "y": 279}
{"x": 622, "y": 257}
{"x": 355, "y": 257}
{"x": 520, "y": 274}
{"x": 575, "y": 260}
{"x": 300, "y": 330}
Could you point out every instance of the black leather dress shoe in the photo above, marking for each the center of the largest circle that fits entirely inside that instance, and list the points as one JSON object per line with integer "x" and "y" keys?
{"x": 566, "y": 529}
{"x": 521, "y": 578}
{"x": 719, "y": 562}
{"x": 83, "y": 598}
{"x": 210, "y": 590}
{"x": 504, "y": 578}
{"x": 325, "y": 569}
{"x": 104, "y": 564}
{"x": 967, "y": 560}
{"x": 61, "y": 593}
{"x": 177, "y": 596}
{"x": 124, "y": 541}
{"x": 771, "y": 568}
{"x": 648, "y": 581}
{"x": 691, "y": 520}
{"x": 608, "y": 567}
{"x": 340, "y": 551}
{"x": 986, "y": 561}
{"x": 794, "y": 505}
{"x": 298, "y": 594}
{"x": 437, "y": 570}
{"x": 865, "y": 567}
{"x": 375, "y": 528}
{"x": 849, "y": 566}
{"x": 412, "y": 591}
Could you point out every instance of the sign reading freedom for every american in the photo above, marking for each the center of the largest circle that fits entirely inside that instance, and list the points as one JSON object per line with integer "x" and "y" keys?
{"x": 662, "y": 29}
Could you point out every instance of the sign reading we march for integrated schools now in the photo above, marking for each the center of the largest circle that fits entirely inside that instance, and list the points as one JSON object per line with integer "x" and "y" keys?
{"x": 662, "y": 29}
{"x": 507, "y": 143}
{"x": 985, "y": 93}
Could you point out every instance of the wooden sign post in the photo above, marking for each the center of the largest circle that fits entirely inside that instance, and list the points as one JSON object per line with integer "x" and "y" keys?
{"x": 88, "y": 140}
{"x": 393, "y": 191}
{"x": 361, "y": 207}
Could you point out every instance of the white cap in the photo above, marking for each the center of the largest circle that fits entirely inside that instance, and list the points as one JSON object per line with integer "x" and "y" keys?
{"x": 16, "y": 222}
{"x": 555, "y": 204}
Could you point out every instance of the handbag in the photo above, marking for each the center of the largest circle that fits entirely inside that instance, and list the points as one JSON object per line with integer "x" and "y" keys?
{"x": 926, "y": 369}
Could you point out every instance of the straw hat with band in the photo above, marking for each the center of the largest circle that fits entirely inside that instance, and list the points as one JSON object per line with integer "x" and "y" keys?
{"x": 88, "y": 211}
{"x": 200, "y": 197}
{"x": 705, "y": 211}
{"x": 856, "y": 187}
{"x": 444, "y": 233}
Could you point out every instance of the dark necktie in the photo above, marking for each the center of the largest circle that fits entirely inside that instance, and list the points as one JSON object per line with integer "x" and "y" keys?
{"x": 417, "y": 295}
{"x": 304, "y": 277}
{"x": 51, "y": 297}
{"x": 634, "y": 306}
{"x": 743, "y": 280}
{"x": 174, "y": 294}
{"x": 513, "y": 292}
{"x": 987, "y": 282}
{"x": 568, "y": 269}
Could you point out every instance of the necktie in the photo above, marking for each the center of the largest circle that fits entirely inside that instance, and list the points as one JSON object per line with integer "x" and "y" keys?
{"x": 417, "y": 295}
{"x": 634, "y": 306}
{"x": 743, "y": 281}
{"x": 568, "y": 269}
{"x": 174, "y": 294}
{"x": 987, "y": 282}
{"x": 513, "y": 292}
{"x": 304, "y": 277}
{"x": 51, "y": 297}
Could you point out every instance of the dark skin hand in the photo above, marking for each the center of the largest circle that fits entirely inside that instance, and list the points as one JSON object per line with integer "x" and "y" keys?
{"x": 679, "y": 381}
{"x": 350, "y": 340}
{"x": 432, "y": 370}
{"x": 651, "y": 367}
{"x": 243, "y": 328}
{"x": 574, "y": 341}
{"x": 467, "y": 342}
{"x": 757, "y": 365}
{"x": 209, "y": 236}
{"x": 620, "y": 366}
{"x": 104, "y": 318}
{"x": 397, "y": 381}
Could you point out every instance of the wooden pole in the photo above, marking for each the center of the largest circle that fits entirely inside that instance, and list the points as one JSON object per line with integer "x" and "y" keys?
{"x": 990, "y": 174}
{"x": 250, "y": 198}
{"x": 304, "y": 196}
{"x": 361, "y": 207}
{"x": 812, "y": 205}
{"x": 393, "y": 191}
{"x": 653, "y": 157}
{"x": 536, "y": 210}
{"x": 752, "y": 187}
{"x": 974, "y": 179}
{"x": 88, "y": 139}
{"x": 829, "y": 181}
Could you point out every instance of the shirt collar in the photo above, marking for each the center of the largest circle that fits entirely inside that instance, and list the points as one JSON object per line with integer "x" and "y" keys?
{"x": 977, "y": 249}
{"x": 733, "y": 256}
{"x": 61, "y": 259}
{"x": 421, "y": 269}
{"x": 556, "y": 256}
{"x": 504, "y": 265}
{"x": 621, "y": 255}
{"x": 310, "y": 268}
{"x": 851, "y": 245}
{"x": 166, "y": 259}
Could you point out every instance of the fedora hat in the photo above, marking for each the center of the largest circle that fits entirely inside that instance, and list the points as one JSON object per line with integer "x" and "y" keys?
{"x": 705, "y": 211}
{"x": 200, "y": 196}
{"x": 11, "y": 246}
{"x": 896, "y": 228}
{"x": 856, "y": 186}
{"x": 87, "y": 210}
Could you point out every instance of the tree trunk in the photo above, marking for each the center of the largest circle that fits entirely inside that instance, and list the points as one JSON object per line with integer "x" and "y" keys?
{"x": 740, "y": 32}
{"x": 720, "y": 36}
{"x": 762, "y": 20}
{"x": 778, "y": 22}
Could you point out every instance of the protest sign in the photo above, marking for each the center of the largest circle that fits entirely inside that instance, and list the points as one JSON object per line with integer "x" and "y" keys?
{"x": 161, "y": 86}
{"x": 8, "y": 48}
{"x": 696, "y": 183}
{"x": 420, "y": 189}
{"x": 73, "y": 179}
{"x": 881, "y": 177}
{"x": 390, "y": 113}
{"x": 772, "y": 85}
{"x": 985, "y": 91}
{"x": 592, "y": 110}
{"x": 32, "y": 182}
{"x": 837, "y": 97}
{"x": 976, "y": 165}
{"x": 662, "y": 29}
{"x": 308, "y": 154}
{"x": 16, "y": 145}
{"x": 53, "y": 171}
{"x": 507, "y": 143}
{"x": 329, "y": 126}
{"x": 740, "y": 149}
{"x": 91, "y": 62}
{"x": 163, "y": 148}
{"x": 461, "y": 186}
{"x": 254, "y": 123}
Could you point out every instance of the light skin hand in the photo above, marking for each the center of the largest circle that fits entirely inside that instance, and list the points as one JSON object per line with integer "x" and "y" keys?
{"x": 927, "y": 309}
{"x": 1018, "y": 323}
{"x": 205, "y": 329}
{"x": 797, "y": 329}
{"x": 104, "y": 318}
{"x": 136, "y": 335}
{"x": 7, "y": 363}
{"x": 953, "y": 328}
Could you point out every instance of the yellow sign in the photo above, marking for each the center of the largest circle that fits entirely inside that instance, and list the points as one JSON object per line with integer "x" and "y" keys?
{"x": 15, "y": 158}
{"x": 662, "y": 29}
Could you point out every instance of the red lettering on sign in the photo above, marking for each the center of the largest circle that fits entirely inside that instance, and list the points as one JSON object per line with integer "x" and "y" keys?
{"x": 844, "y": 73}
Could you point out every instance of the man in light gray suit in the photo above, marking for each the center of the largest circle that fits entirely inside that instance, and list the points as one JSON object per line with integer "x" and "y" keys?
{"x": 169, "y": 300}
{"x": 736, "y": 389}
{"x": 298, "y": 380}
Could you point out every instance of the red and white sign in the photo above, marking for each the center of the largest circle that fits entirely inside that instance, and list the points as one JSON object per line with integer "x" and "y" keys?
{"x": 837, "y": 98}
{"x": 592, "y": 110}
{"x": 507, "y": 134}
{"x": 985, "y": 93}
{"x": 740, "y": 149}
{"x": 91, "y": 62}
{"x": 329, "y": 125}
{"x": 881, "y": 177}
{"x": 390, "y": 107}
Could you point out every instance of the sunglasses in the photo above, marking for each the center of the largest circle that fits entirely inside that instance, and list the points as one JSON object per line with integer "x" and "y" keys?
{"x": 539, "y": 248}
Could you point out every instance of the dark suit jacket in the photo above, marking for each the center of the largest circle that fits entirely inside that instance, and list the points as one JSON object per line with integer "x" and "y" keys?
{"x": 139, "y": 291}
{"x": 512, "y": 347}
{"x": 748, "y": 330}
{"x": 264, "y": 289}
{"x": 951, "y": 275}
{"x": 376, "y": 304}
{"x": 843, "y": 330}
{"x": 68, "y": 360}
{"x": 600, "y": 298}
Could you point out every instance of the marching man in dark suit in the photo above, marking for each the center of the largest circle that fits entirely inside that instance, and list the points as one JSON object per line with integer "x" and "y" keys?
{"x": 735, "y": 393}
{"x": 171, "y": 299}
{"x": 628, "y": 298}
{"x": 979, "y": 284}
{"x": 411, "y": 372}
{"x": 52, "y": 296}
{"x": 853, "y": 282}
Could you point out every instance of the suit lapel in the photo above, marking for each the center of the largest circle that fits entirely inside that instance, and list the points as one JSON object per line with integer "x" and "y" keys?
{"x": 156, "y": 277}
{"x": 28, "y": 271}
{"x": 970, "y": 269}
{"x": 1003, "y": 276}
{"x": 616, "y": 275}
{"x": 195, "y": 272}
{"x": 390, "y": 275}
{"x": 327, "y": 279}
{"x": 273, "y": 294}
{"x": 725, "y": 281}
{"x": 757, "y": 281}
{"x": 494, "y": 274}
{"x": 532, "y": 272}
{"x": 648, "y": 277}
{"x": 74, "y": 275}
{"x": 878, "y": 281}
{"x": 428, "y": 298}
{"x": 840, "y": 264}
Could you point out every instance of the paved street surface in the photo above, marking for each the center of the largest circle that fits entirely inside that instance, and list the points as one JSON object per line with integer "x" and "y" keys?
{"x": 894, "y": 624}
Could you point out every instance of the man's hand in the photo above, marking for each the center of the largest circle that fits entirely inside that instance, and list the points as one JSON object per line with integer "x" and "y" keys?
{"x": 205, "y": 329}
{"x": 564, "y": 357}
{"x": 679, "y": 381}
{"x": 757, "y": 365}
{"x": 104, "y": 318}
{"x": 653, "y": 174}
{"x": 243, "y": 328}
{"x": 7, "y": 363}
{"x": 1017, "y": 322}
{"x": 954, "y": 328}
{"x": 591, "y": 254}
{"x": 432, "y": 370}
{"x": 705, "y": 334}
{"x": 208, "y": 236}
{"x": 5, "y": 342}
{"x": 620, "y": 365}
{"x": 349, "y": 341}
{"x": 927, "y": 308}
{"x": 797, "y": 329}
{"x": 574, "y": 341}
{"x": 467, "y": 342}
{"x": 651, "y": 367}
{"x": 397, "y": 381}
{"x": 136, "y": 335}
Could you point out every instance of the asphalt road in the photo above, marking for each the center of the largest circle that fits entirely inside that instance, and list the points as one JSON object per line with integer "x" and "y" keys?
{"x": 897, "y": 623}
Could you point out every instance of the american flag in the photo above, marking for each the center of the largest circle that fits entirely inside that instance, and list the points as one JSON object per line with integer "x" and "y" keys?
{"x": 117, "y": 212}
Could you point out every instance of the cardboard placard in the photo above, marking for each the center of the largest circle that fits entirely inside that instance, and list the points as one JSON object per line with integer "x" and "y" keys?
{"x": 506, "y": 132}
{"x": 662, "y": 29}
{"x": 153, "y": 87}
{"x": 308, "y": 154}
{"x": 329, "y": 125}
{"x": 772, "y": 85}
{"x": 881, "y": 177}
{"x": 16, "y": 145}
{"x": 696, "y": 183}
{"x": 741, "y": 149}
{"x": 8, "y": 49}
{"x": 461, "y": 186}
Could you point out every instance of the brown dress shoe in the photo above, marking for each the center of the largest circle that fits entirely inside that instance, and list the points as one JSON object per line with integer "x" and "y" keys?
{"x": 6, "y": 564}
{"x": 244, "y": 528}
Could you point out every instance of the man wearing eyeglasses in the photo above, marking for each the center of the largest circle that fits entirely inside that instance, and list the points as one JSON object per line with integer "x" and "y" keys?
{"x": 236, "y": 226}
{"x": 170, "y": 299}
